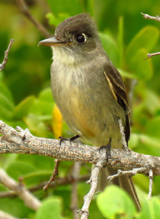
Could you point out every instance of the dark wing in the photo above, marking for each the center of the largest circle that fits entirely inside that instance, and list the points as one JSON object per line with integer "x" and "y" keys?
{"x": 118, "y": 89}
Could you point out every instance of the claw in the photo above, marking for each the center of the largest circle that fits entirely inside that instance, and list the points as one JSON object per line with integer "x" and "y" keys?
{"x": 61, "y": 139}
{"x": 108, "y": 149}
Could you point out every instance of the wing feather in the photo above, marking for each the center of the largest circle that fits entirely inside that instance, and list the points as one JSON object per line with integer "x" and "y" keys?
{"x": 118, "y": 89}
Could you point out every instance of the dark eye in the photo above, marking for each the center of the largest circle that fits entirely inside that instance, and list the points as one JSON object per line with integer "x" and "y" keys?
{"x": 81, "y": 38}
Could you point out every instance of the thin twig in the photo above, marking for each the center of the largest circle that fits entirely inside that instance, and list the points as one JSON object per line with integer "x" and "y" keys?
{"x": 29, "y": 200}
{"x": 128, "y": 173}
{"x": 84, "y": 212}
{"x": 149, "y": 55}
{"x": 2, "y": 65}
{"x": 134, "y": 172}
{"x": 123, "y": 135}
{"x": 150, "y": 183}
{"x": 59, "y": 182}
{"x": 147, "y": 16}
{"x": 24, "y": 9}
{"x": 157, "y": 18}
{"x": 54, "y": 174}
{"x": 74, "y": 192}
{"x": 4, "y": 215}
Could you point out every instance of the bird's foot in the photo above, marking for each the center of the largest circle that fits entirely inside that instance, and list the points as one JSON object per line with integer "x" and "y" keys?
{"x": 126, "y": 149}
{"x": 61, "y": 139}
{"x": 107, "y": 148}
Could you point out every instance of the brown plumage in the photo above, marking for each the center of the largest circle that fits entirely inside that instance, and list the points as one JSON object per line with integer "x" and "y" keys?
{"x": 76, "y": 25}
{"x": 120, "y": 92}
{"x": 88, "y": 89}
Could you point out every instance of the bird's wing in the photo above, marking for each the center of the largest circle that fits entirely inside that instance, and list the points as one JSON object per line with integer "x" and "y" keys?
{"x": 118, "y": 89}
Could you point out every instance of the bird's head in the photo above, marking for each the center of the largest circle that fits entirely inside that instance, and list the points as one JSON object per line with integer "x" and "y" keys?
{"x": 76, "y": 36}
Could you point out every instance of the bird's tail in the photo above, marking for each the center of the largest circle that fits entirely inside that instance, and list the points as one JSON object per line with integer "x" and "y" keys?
{"x": 123, "y": 181}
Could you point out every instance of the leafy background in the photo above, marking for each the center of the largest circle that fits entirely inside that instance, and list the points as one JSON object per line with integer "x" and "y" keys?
{"x": 26, "y": 100}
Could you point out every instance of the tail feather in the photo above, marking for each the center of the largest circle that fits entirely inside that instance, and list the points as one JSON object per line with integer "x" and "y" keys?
{"x": 123, "y": 181}
{"x": 127, "y": 184}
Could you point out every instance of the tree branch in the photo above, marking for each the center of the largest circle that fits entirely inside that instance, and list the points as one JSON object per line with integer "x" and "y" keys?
{"x": 24, "y": 9}
{"x": 124, "y": 143}
{"x": 84, "y": 212}
{"x": 30, "y": 201}
{"x": 149, "y": 55}
{"x": 157, "y": 18}
{"x": 4, "y": 215}
{"x": 2, "y": 65}
{"x": 74, "y": 192}
{"x": 147, "y": 16}
{"x": 58, "y": 182}
{"x": 150, "y": 183}
{"x": 125, "y": 161}
{"x": 22, "y": 142}
{"x": 54, "y": 174}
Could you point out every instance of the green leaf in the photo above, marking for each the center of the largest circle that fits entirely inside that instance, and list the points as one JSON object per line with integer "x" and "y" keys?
{"x": 6, "y": 103}
{"x": 93, "y": 209}
{"x": 43, "y": 106}
{"x": 110, "y": 47}
{"x": 153, "y": 127}
{"x": 15, "y": 123}
{"x": 126, "y": 74}
{"x": 141, "y": 68}
{"x": 150, "y": 209}
{"x": 145, "y": 38}
{"x": 3, "y": 188}
{"x": 88, "y": 6}
{"x": 150, "y": 141}
{"x": 53, "y": 20}
{"x": 148, "y": 145}
{"x": 35, "y": 108}
{"x": 5, "y": 113}
{"x": 35, "y": 177}
{"x": 115, "y": 201}
{"x": 36, "y": 125}
{"x": 120, "y": 39}
{"x": 46, "y": 95}
{"x": 21, "y": 110}
{"x": 50, "y": 208}
{"x": 152, "y": 102}
{"x": 62, "y": 6}
{"x": 17, "y": 169}
{"x": 9, "y": 160}
{"x": 143, "y": 182}
{"x": 45, "y": 102}
{"x": 39, "y": 162}
{"x": 46, "y": 109}
{"x": 16, "y": 208}
{"x": 5, "y": 91}
{"x": 134, "y": 139}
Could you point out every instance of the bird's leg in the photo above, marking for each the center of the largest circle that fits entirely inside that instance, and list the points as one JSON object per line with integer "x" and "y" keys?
{"x": 61, "y": 139}
{"x": 107, "y": 148}
{"x": 57, "y": 161}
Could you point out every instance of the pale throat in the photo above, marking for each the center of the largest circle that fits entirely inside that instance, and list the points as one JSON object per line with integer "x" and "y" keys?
{"x": 64, "y": 55}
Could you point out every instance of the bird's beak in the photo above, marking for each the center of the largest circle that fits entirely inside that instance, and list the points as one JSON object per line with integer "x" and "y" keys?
{"x": 51, "y": 42}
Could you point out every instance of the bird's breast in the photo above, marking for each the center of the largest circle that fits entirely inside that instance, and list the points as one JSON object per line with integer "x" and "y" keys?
{"x": 85, "y": 101}
{"x": 70, "y": 92}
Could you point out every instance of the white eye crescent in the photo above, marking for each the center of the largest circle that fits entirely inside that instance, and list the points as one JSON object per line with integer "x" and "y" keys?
{"x": 85, "y": 37}
{"x": 81, "y": 38}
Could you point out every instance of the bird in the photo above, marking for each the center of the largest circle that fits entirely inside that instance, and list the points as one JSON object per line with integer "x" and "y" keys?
{"x": 88, "y": 89}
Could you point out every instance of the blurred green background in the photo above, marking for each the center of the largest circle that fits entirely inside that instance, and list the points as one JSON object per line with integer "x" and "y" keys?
{"x": 26, "y": 100}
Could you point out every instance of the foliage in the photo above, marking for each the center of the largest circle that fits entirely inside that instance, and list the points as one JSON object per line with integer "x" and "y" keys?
{"x": 115, "y": 203}
{"x": 26, "y": 99}
{"x": 50, "y": 208}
